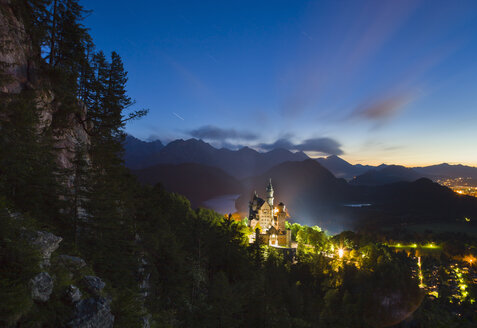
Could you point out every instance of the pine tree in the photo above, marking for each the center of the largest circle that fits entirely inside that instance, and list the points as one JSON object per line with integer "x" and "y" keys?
{"x": 27, "y": 159}
{"x": 110, "y": 232}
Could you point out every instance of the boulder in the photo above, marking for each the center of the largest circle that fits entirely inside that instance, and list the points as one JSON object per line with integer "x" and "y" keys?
{"x": 94, "y": 284}
{"x": 41, "y": 287}
{"x": 73, "y": 294}
{"x": 72, "y": 262}
{"x": 46, "y": 243}
{"x": 92, "y": 313}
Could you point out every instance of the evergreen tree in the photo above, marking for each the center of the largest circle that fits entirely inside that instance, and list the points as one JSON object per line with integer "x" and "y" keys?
{"x": 27, "y": 158}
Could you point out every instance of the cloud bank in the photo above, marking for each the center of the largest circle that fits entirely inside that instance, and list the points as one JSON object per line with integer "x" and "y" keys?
{"x": 321, "y": 145}
{"x": 232, "y": 138}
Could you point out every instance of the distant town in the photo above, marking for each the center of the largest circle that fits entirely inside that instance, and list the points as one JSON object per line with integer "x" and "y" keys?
{"x": 462, "y": 185}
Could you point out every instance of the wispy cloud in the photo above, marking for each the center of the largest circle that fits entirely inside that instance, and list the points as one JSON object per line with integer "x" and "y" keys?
{"x": 381, "y": 109}
{"x": 319, "y": 145}
{"x": 214, "y": 133}
{"x": 280, "y": 143}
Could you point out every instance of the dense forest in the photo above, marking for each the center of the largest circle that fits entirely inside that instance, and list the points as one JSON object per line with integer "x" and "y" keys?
{"x": 164, "y": 264}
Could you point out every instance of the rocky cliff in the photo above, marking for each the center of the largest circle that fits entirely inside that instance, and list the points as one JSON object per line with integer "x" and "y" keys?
{"x": 17, "y": 58}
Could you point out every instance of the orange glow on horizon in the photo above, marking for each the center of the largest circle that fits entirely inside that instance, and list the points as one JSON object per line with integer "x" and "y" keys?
{"x": 396, "y": 161}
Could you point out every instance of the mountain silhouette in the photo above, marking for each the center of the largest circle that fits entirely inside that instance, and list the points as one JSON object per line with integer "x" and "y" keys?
{"x": 341, "y": 168}
{"x": 308, "y": 189}
{"x": 386, "y": 175}
{"x": 136, "y": 151}
{"x": 445, "y": 170}
{"x": 238, "y": 163}
{"x": 195, "y": 181}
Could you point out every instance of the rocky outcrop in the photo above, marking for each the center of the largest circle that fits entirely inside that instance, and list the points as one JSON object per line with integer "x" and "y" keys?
{"x": 15, "y": 50}
{"x": 17, "y": 63}
{"x": 41, "y": 287}
{"x": 93, "y": 284}
{"x": 73, "y": 294}
{"x": 46, "y": 243}
{"x": 93, "y": 313}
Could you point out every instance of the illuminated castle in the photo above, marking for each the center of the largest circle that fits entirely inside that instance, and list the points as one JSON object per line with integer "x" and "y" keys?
{"x": 269, "y": 220}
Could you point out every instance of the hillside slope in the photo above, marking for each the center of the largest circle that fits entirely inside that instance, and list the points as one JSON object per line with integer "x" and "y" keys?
{"x": 386, "y": 175}
{"x": 195, "y": 181}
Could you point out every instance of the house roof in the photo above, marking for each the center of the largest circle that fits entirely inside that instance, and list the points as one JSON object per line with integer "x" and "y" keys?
{"x": 272, "y": 231}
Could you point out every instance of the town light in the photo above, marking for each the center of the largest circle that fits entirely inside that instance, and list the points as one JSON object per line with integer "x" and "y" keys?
{"x": 471, "y": 259}
{"x": 340, "y": 253}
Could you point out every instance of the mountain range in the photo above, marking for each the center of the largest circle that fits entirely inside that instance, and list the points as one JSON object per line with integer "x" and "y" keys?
{"x": 240, "y": 163}
{"x": 247, "y": 162}
{"x": 136, "y": 152}
{"x": 387, "y": 174}
{"x": 341, "y": 168}
{"x": 315, "y": 191}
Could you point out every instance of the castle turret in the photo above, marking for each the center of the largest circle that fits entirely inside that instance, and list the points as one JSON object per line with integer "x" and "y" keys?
{"x": 281, "y": 215}
{"x": 270, "y": 193}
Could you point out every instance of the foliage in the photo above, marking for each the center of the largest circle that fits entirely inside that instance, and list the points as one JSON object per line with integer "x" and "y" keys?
{"x": 185, "y": 267}
{"x": 18, "y": 263}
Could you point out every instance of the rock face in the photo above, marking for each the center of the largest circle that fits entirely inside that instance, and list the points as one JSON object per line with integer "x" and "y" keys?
{"x": 18, "y": 60}
{"x": 41, "y": 287}
{"x": 94, "y": 284}
{"x": 14, "y": 50}
{"x": 73, "y": 294}
{"x": 92, "y": 313}
{"x": 46, "y": 243}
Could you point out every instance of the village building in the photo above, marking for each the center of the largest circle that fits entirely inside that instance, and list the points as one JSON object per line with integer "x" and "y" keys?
{"x": 268, "y": 221}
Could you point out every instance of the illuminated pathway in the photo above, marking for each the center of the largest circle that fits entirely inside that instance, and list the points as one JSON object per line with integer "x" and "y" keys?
{"x": 421, "y": 283}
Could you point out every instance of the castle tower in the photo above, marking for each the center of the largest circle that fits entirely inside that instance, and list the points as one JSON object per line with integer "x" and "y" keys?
{"x": 281, "y": 217}
{"x": 270, "y": 193}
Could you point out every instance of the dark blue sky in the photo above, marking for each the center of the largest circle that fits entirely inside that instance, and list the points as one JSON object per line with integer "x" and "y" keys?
{"x": 373, "y": 81}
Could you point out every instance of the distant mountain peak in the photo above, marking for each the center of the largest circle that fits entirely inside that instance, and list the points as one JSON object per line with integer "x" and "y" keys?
{"x": 190, "y": 143}
{"x": 238, "y": 163}
{"x": 137, "y": 150}
{"x": 246, "y": 149}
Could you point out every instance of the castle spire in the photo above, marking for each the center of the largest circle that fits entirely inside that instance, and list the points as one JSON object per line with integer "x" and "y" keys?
{"x": 270, "y": 193}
